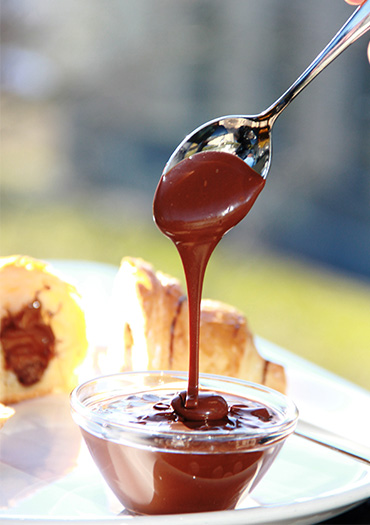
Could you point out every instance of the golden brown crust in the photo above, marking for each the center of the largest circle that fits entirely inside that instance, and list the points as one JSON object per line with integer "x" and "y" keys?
{"x": 142, "y": 301}
{"x": 153, "y": 310}
{"x": 22, "y": 281}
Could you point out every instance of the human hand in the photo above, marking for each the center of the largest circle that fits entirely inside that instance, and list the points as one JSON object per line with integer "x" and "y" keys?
{"x": 358, "y": 2}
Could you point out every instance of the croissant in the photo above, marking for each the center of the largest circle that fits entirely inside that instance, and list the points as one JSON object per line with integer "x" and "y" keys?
{"x": 43, "y": 330}
{"x": 150, "y": 330}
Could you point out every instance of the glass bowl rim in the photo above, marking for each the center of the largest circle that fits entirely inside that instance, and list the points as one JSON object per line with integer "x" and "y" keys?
{"x": 131, "y": 433}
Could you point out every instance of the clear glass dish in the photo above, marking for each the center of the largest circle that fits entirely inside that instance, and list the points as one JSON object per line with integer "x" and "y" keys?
{"x": 162, "y": 469}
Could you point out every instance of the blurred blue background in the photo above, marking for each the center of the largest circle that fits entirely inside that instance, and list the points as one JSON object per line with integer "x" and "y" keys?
{"x": 96, "y": 95}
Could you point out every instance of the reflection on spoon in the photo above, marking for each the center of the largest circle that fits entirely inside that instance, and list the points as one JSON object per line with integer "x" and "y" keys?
{"x": 249, "y": 137}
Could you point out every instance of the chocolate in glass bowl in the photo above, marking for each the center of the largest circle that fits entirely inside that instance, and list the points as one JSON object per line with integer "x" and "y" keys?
{"x": 157, "y": 463}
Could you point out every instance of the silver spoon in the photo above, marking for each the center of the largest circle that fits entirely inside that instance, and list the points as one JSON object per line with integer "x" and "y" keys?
{"x": 249, "y": 137}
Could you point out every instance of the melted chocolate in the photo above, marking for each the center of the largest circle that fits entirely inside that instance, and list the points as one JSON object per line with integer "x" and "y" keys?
{"x": 210, "y": 407}
{"x": 180, "y": 473}
{"x": 28, "y": 343}
{"x": 195, "y": 204}
{"x": 166, "y": 482}
{"x": 213, "y": 412}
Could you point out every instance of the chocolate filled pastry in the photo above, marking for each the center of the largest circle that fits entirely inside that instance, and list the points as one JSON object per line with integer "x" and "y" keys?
{"x": 151, "y": 325}
{"x": 42, "y": 333}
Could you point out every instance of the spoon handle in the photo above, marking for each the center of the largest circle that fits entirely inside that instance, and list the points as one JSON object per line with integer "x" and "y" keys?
{"x": 355, "y": 27}
{"x": 336, "y": 442}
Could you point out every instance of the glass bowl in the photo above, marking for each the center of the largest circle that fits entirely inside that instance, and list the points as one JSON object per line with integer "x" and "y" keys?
{"x": 157, "y": 464}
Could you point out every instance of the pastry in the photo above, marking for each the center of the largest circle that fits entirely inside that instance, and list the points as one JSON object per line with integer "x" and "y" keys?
{"x": 43, "y": 330}
{"x": 150, "y": 330}
{"x": 5, "y": 414}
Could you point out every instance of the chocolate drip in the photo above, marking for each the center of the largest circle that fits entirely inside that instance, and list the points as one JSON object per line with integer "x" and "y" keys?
{"x": 210, "y": 407}
{"x": 195, "y": 204}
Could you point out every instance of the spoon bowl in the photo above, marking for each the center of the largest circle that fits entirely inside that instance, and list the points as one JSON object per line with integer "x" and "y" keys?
{"x": 249, "y": 137}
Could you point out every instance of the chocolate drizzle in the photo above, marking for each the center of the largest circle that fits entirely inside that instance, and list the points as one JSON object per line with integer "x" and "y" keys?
{"x": 195, "y": 204}
{"x": 209, "y": 407}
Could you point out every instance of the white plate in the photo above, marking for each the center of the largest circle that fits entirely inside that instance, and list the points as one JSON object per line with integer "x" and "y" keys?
{"x": 47, "y": 475}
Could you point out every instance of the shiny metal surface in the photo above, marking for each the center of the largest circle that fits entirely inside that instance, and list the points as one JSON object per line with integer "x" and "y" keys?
{"x": 333, "y": 441}
{"x": 249, "y": 137}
